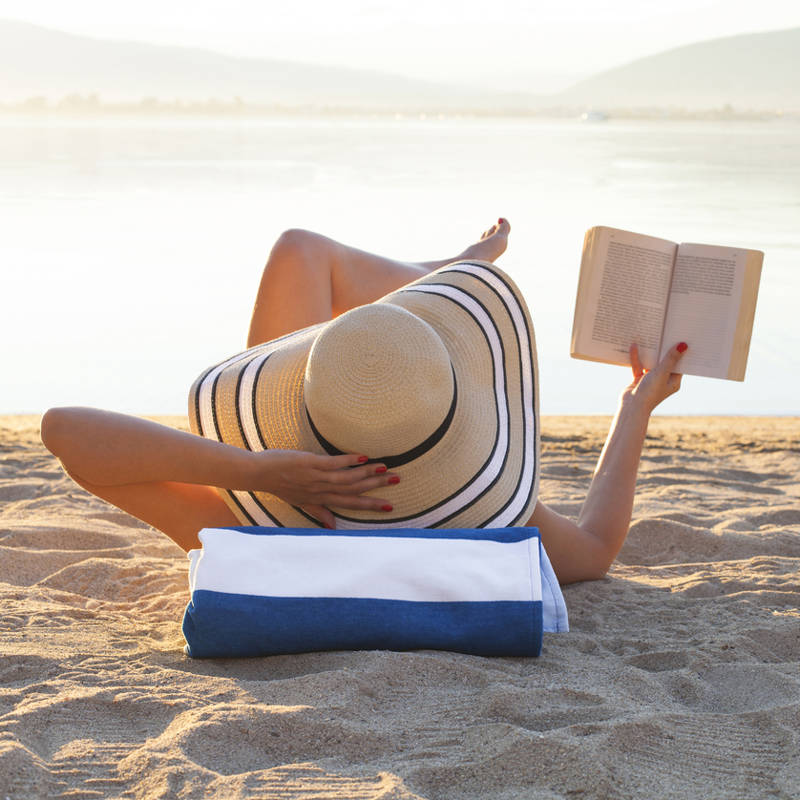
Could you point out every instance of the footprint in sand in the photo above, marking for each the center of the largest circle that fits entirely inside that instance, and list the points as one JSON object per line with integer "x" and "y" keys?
{"x": 702, "y": 747}
{"x": 262, "y": 736}
{"x": 542, "y": 710}
{"x": 659, "y": 661}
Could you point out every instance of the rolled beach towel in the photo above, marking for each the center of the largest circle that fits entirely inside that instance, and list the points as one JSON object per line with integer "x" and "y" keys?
{"x": 257, "y": 591}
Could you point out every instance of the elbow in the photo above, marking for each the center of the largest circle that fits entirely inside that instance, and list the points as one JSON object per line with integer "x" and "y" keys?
{"x": 48, "y": 428}
{"x": 598, "y": 571}
{"x": 592, "y": 572}
{"x": 599, "y": 562}
{"x": 54, "y": 429}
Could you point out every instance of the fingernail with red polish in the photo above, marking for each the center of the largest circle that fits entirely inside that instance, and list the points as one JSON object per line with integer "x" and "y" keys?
{"x": 683, "y": 347}
{"x": 394, "y": 479}
{"x": 363, "y": 459}
{"x": 387, "y": 507}
{"x": 380, "y": 470}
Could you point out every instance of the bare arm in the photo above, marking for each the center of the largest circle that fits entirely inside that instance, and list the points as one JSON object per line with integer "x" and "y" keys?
{"x": 109, "y": 449}
{"x": 586, "y": 549}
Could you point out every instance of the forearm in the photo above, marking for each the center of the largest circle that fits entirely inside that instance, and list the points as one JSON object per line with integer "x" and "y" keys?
{"x": 109, "y": 449}
{"x": 606, "y": 512}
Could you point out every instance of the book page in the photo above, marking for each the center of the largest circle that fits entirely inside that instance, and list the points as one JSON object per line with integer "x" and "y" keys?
{"x": 703, "y": 309}
{"x": 622, "y": 296}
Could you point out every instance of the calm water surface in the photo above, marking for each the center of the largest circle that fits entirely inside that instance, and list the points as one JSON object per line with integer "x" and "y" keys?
{"x": 131, "y": 249}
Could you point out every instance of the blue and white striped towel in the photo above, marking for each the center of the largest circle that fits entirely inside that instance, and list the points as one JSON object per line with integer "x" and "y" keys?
{"x": 266, "y": 591}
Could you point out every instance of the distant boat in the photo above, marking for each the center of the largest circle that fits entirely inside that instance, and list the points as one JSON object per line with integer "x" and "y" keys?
{"x": 594, "y": 116}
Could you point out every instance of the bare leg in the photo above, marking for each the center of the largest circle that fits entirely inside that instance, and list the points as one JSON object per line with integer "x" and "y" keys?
{"x": 323, "y": 278}
{"x": 180, "y": 510}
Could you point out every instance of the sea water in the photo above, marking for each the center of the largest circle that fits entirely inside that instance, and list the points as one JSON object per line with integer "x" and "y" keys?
{"x": 131, "y": 248}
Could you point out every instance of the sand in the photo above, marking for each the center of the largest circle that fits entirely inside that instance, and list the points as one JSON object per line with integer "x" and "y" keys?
{"x": 679, "y": 679}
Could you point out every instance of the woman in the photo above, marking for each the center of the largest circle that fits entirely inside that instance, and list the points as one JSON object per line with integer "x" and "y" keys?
{"x": 166, "y": 477}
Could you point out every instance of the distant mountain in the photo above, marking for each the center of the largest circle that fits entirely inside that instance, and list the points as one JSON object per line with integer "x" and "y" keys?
{"x": 37, "y": 61}
{"x": 759, "y": 71}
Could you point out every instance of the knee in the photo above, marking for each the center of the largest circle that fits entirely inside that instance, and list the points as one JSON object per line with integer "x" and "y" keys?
{"x": 295, "y": 246}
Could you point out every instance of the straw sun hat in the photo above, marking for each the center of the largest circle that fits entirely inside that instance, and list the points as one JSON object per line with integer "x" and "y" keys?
{"x": 436, "y": 380}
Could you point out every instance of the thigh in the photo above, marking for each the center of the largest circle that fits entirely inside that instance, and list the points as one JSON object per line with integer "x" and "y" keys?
{"x": 179, "y": 510}
{"x": 358, "y": 278}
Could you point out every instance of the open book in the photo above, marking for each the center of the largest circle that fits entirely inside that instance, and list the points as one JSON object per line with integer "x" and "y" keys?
{"x": 654, "y": 293}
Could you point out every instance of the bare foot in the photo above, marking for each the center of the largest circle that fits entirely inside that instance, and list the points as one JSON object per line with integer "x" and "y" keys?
{"x": 490, "y": 246}
{"x": 492, "y": 243}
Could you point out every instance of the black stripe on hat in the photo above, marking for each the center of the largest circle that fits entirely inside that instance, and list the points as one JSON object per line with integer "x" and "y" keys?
{"x": 230, "y": 493}
{"x": 236, "y": 398}
{"x": 239, "y": 505}
{"x": 521, "y": 382}
{"x": 197, "y": 386}
{"x": 200, "y": 385}
{"x": 239, "y": 379}
{"x": 253, "y": 402}
{"x": 222, "y": 365}
{"x": 391, "y": 462}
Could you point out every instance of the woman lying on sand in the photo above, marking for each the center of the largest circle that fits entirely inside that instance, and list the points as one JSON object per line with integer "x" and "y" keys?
{"x": 442, "y": 377}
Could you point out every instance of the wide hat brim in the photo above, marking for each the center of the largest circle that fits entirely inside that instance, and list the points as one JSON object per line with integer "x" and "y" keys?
{"x": 482, "y": 472}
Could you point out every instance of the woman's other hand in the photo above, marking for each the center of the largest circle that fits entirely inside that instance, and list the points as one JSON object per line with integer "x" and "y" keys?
{"x": 314, "y": 481}
{"x": 650, "y": 387}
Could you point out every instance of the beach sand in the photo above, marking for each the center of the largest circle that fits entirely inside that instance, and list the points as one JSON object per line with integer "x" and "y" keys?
{"x": 679, "y": 678}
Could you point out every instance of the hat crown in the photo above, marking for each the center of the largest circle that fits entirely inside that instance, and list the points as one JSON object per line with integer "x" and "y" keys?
{"x": 378, "y": 381}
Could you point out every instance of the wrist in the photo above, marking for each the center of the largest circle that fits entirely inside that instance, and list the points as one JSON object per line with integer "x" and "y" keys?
{"x": 244, "y": 469}
{"x": 258, "y": 470}
{"x": 633, "y": 408}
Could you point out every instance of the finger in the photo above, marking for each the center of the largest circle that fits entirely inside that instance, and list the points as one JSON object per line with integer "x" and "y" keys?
{"x": 331, "y": 486}
{"x": 366, "y": 485}
{"x": 339, "y": 462}
{"x": 674, "y": 382}
{"x": 321, "y": 514}
{"x": 636, "y": 364}
{"x": 360, "y": 502}
{"x": 673, "y": 356}
{"x": 349, "y": 477}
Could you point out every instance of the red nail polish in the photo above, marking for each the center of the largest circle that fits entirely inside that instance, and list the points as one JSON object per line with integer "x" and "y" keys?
{"x": 394, "y": 479}
{"x": 683, "y": 347}
{"x": 363, "y": 459}
{"x": 380, "y": 470}
{"x": 387, "y": 507}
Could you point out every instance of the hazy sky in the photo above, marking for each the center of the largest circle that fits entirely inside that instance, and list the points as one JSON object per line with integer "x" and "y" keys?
{"x": 535, "y": 44}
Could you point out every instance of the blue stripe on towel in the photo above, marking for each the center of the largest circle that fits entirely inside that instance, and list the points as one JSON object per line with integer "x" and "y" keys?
{"x": 473, "y": 534}
{"x": 221, "y": 625}
{"x": 267, "y": 591}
